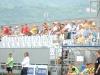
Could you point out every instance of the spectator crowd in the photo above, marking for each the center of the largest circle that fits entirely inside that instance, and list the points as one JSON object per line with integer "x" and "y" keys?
{"x": 81, "y": 30}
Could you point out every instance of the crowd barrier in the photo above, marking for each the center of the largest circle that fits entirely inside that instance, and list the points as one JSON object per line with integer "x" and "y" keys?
{"x": 27, "y": 41}
{"x": 16, "y": 69}
{"x": 32, "y": 69}
{"x": 39, "y": 41}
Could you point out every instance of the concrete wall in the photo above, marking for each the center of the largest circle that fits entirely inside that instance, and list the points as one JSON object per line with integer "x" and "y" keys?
{"x": 37, "y": 55}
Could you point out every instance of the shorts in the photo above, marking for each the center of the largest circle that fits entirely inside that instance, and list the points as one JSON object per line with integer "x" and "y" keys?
{"x": 9, "y": 69}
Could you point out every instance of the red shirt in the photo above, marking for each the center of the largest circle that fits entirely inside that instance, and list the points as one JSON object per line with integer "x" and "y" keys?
{"x": 25, "y": 29}
{"x": 6, "y": 30}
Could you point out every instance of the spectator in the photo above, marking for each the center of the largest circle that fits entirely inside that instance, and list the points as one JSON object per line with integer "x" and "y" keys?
{"x": 65, "y": 32}
{"x": 61, "y": 28}
{"x": 9, "y": 64}
{"x": 68, "y": 27}
{"x": 55, "y": 28}
{"x": 45, "y": 29}
{"x": 79, "y": 31}
{"x": 25, "y": 29}
{"x": 25, "y": 63}
{"x": 61, "y": 33}
{"x": 34, "y": 30}
{"x": 6, "y": 30}
{"x": 73, "y": 30}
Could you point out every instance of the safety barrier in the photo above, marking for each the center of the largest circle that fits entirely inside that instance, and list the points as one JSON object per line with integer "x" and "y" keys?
{"x": 27, "y": 41}
{"x": 39, "y": 41}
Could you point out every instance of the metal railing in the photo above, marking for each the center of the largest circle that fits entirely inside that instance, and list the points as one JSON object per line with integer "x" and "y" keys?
{"x": 43, "y": 41}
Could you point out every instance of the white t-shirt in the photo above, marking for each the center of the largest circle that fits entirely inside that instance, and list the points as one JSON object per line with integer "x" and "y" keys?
{"x": 68, "y": 26}
{"x": 55, "y": 28}
{"x": 26, "y": 62}
{"x": 73, "y": 29}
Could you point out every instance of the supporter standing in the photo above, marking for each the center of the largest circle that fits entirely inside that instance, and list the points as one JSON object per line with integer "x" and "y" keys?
{"x": 55, "y": 28}
{"x": 80, "y": 29}
{"x": 25, "y": 29}
{"x": 67, "y": 31}
{"x": 9, "y": 64}
{"x": 34, "y": 30}
{"x": 25, "y": 63}
{"x": 6, "y": 30}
